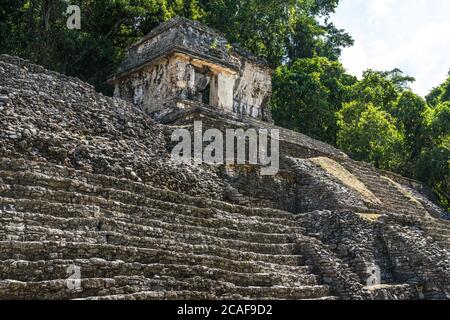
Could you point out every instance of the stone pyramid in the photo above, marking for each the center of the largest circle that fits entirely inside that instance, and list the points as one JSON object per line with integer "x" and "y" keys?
{"x": 87, "y": 184}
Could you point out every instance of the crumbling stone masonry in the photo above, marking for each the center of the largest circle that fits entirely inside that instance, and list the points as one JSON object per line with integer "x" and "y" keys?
{"x": 184, "y": 60}
{"x": 87, "y": 182}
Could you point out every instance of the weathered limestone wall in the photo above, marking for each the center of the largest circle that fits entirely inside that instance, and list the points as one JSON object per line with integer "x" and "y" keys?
{"x": 179, "y": 77}
{"x": 252, "y": 90}
{"x": 183, "y": 36}
{"x": 222, "y": 92}
{"x": 182, "y": 59}
{"x": 150, "y": 88}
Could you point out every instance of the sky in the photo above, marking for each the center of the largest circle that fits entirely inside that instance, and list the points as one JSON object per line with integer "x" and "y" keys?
{"x": 412, "y": 35}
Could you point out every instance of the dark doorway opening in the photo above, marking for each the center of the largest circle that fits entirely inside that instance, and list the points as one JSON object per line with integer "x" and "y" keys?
{"x": 206, "y": 94}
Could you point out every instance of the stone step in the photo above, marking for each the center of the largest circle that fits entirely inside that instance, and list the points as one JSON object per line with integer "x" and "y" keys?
{"x": 198, "y": 243}
{"x": 166, "y": 220}
{"x": 328, "y": 298}
{"x": 201, "y": 243}
{"x": 444, "y": 243}
{"x": 222, "y": 232}
{"x": 403, "y": 209}
{"x": 398, "y": 201}
{"x": 273, "y": 254}
{"x": 144, "y": 215}
{"x": 35, "y": 251}
{"x": 441, "y": 225}
{"x": 374, "y": 179}
{"x": 439, "y": 235}
{"x": 360, "y": 167}
{"x": 31, "y": 228}
{"x": 153, "y": 207}
{"x": 241, "y": 251}
{"x": 33, "y": 235}
{"x": 85, "y": 182}
{"x": 159, "y": 295}
{"x": 281, "y": 293}
{"x": 382, "y": 187}
{"x": 46, "y": 270}
{"x": 58, "y": 289}
{"x": 30, "y": 233}
{"x": 33, "y": 192}
{"x": 189, "y": 295}
{"x": 438, "y": 230}
{"x": 386, "y": 192}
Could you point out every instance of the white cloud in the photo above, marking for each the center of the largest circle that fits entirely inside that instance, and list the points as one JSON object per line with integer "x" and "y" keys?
{"x": 413, "y": 35}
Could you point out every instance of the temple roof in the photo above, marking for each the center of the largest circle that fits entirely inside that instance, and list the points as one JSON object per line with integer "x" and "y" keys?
{"x": 181, "y": 35}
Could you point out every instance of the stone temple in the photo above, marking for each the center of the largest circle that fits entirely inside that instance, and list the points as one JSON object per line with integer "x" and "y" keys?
{"x": 182, "y": 62}
{"x": 92, "y": 206}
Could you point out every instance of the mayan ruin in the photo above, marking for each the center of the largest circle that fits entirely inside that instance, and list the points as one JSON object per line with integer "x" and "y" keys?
{"x": 92, "y": 205}
{"x": 184, "y": 61}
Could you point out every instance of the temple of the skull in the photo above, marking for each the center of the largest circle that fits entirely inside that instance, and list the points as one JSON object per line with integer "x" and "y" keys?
{"x": 184, "y": 62}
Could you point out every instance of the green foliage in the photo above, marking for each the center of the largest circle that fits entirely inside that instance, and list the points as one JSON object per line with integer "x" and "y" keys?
{"x": 433, "y": 167}
{"x": 277, "y": 30}
{"x": 440, "y": 124}
{"x": 372, "y": 97}
{"x": 439, "y": 94}
{"x": 433, "y": 164}
{"x": 36, "y": 30}
{"x": 381, "y": 88}
{"x": 273, "y": 29}
{"x": 369, "y": 133}
{"x": 433, "y": 97}
{"x": 409, "y": 110}
{"x": 445, "y": 94}
{"x": 307, "y": 95}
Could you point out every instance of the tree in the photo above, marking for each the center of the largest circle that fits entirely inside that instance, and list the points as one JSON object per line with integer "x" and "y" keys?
{"x": 36, "y": 30}
{"x": 307, "y": 95}
{"x": 280, "y": 31}
{"x": 409, "y": 112}
{"x": 445, "y": 95}
{"x": 369, "y": 133}
{"x": 434, "y": 96}
{"x": 439, "y": 94}
{"x": 433, "y": 164}
{"x": 382, "y": 122}
{"x": 382, "y": 88}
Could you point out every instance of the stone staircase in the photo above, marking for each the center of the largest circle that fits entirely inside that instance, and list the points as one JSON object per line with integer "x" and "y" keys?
{"x": 390, "y": 196}
{"x": 135, "y": 241}
{"x": 439, "y": 230}
{"x": 398, "y": 203}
